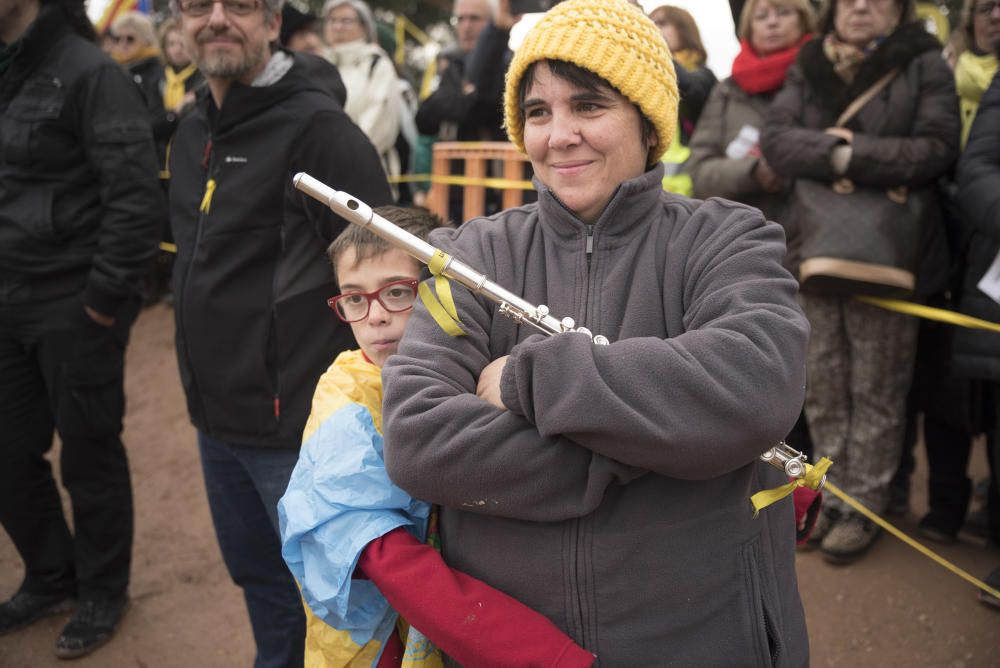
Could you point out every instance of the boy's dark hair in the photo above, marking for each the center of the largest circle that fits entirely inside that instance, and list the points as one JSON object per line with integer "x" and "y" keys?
{"x": 366, "y": 245}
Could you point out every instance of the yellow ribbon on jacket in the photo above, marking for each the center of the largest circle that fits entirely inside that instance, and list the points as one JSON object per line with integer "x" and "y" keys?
{"x": 206, "y": 201}
{"x": 812, "y": 479}
{"x": 441, "y": 307}
{"x": 173, "y": 90}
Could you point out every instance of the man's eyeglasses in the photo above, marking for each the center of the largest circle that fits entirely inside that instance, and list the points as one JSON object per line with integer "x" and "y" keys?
{"x": 394, "y": 297}
{"x": 204, "y": 7}
{"x": 986, "y": 8}
{"x": 343, "y": 21}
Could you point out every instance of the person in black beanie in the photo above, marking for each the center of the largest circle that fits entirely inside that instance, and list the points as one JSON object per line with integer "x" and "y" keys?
{"x": 299, "y": 32}
{"x": 80, "y": 208}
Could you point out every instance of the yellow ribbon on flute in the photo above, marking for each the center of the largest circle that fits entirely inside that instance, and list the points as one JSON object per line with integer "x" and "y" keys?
{"x": 813, "y": 479}
{"x": 441, "y": 307}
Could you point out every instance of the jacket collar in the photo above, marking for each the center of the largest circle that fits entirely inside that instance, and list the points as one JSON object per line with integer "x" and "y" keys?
{"x": 629, "y": 207}
{"x": 907, "y": 42}
{"x": 243, "y": 102}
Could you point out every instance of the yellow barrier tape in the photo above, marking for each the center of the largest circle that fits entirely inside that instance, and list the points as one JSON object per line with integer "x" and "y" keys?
{"x": 464, "y": 181}
{"x": 168, "y": 247}
{"x": 415, "y": 31}
{"x": 442, "y": 308}
{"x": 206, "y": 201}
{"x": 400, "y": 36}
{"x": 812, "y": 479}
{"x": 930, "y": 554}
{"x": 931, "y": 313}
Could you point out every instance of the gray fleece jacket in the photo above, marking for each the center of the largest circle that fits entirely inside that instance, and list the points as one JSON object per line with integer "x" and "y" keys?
{"x": 613, "y": 494}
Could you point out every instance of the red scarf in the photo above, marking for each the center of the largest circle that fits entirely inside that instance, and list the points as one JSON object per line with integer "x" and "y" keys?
{"x": 763, "y": 74}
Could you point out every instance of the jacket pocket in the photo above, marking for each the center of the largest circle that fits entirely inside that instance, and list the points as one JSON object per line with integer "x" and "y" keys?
{"x": 764, "y": 629}
{"x": 39, "y": 103}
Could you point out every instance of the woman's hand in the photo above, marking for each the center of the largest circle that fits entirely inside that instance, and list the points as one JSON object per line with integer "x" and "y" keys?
{"x": 843, "y": 133}
{"x": 488, "y": 388}
{"x": 768, "y": 180}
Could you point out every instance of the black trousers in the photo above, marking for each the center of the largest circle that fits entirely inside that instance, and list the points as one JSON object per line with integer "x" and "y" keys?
{"x": 59, "y": 370}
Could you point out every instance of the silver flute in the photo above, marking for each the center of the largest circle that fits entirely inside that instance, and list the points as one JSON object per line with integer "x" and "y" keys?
{"x": 782, "y": 457}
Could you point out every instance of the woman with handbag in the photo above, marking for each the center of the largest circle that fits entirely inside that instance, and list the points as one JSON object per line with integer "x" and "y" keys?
{"x": 866, "y": 123}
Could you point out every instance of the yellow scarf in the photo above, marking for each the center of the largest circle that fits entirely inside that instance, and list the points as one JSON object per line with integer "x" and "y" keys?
{"x": 688, "y": 58}
{"x": 972, "y": 76}
{"x": 173, "y": 90}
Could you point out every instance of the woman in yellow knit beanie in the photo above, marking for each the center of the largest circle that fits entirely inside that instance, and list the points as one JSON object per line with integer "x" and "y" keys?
{"x": 611, "y": 39}
{"x": 607, "y": 486}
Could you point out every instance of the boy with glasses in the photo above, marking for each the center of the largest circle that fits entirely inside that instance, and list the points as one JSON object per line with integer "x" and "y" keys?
{"x": 342, "y": 519}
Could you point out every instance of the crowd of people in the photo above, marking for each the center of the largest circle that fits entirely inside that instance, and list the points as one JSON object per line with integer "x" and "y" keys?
{"x": 384, "y": 484}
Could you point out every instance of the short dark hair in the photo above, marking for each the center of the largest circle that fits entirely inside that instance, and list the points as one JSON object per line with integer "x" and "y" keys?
{"x": 366, "y": 244}
{"x": 582, "y": 78}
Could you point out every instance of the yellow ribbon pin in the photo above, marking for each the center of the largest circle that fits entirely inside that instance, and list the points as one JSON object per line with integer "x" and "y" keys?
{"x": 441, "y": 307}
{"x": 206, "y": 201}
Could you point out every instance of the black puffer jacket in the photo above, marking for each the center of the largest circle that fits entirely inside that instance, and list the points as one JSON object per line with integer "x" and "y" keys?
{"x": 907, "y": 135}
{"x": 977, "y": 352}
{"x": 80, "y": 202}
{"x": 251, "y": 277}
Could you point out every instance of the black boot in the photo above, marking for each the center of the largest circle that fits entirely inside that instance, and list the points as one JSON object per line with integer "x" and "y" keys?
{"x": 93, "y": 623}
{"x": 23, "y": 608}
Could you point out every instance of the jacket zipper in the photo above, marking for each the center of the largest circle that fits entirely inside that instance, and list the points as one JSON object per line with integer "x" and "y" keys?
{"x": 207, "y": 161}
{"x": 579, "y": 575}
{"x": 276, "y": 372}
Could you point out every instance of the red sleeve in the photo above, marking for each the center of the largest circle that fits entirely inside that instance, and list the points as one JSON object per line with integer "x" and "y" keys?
{"x": 807, "y": 506}
{"x": 475, "y": 624}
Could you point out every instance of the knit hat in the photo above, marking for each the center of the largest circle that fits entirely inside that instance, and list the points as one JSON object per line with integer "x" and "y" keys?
{"x": 294, "y": 21}
{"x": 614, "y": 40}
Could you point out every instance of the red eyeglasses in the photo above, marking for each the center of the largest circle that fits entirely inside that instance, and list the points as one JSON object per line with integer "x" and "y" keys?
{"x": 394, "y": 297}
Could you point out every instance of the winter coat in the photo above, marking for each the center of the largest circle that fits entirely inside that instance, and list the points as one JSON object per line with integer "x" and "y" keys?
{"x": 612, "y": 495}
{"x": 453, "y": 114}
{"x": 80, "y": 204}
{"x": 977, "y": 352}
{"x": 908, "y": 135}
{"x": 251, "y": 277}
{"x": 729, "y": 109}
{"x": 374, "y": 101}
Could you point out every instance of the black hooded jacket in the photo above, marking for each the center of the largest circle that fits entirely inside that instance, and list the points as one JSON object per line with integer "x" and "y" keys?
{"x": 251, "y": 277}
{"x": 977, "y": 352}
{"x": 80, "y": 203}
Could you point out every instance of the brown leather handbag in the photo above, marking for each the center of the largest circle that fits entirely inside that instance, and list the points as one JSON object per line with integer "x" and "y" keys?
{"x": 855, "y": 239}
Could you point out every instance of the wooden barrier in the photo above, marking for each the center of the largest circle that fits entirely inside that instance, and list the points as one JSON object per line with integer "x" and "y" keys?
{"x": 475, "y": 157}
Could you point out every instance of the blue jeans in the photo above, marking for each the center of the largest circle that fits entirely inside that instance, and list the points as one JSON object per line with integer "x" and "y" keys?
{"x": 244, "y": 484}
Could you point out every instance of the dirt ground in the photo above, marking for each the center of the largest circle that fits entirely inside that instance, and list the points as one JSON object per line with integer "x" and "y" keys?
{"x": 894, "y": 608}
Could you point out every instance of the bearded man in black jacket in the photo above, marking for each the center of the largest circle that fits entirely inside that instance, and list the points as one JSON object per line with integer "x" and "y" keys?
{"x": 80, "y": 207}
{"x": 251, "y": 280}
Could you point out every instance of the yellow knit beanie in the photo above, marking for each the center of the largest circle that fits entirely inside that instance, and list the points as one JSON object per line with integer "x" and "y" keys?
{"x": 614, "y": 40}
